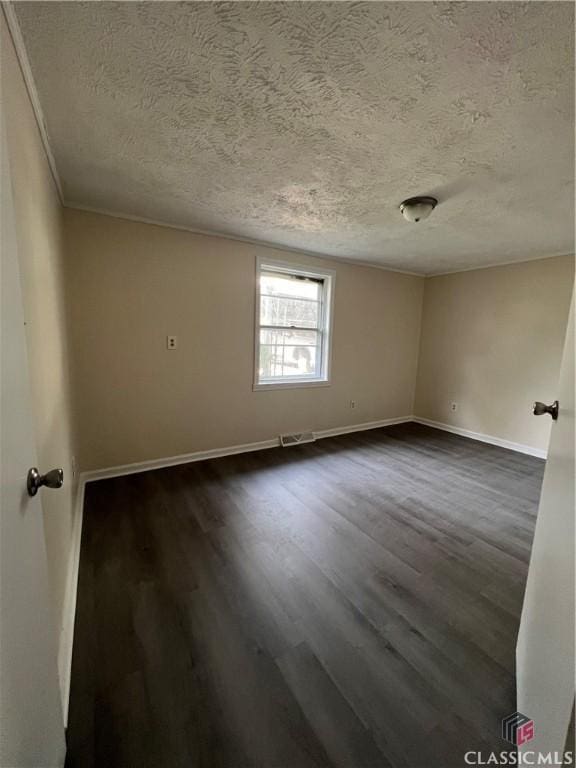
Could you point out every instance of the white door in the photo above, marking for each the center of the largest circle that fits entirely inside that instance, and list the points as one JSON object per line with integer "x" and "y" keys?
{"x": 545, "y": 649}
{"x": 31, "y": 725}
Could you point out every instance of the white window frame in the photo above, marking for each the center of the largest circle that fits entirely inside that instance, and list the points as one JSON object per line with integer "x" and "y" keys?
{"x": 325, "y": 329}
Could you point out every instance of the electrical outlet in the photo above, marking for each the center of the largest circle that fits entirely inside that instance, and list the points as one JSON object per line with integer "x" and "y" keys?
{"x": 453, "y": 406}
{"x": 352, "y": 403}
{"x": 171, "y": 342}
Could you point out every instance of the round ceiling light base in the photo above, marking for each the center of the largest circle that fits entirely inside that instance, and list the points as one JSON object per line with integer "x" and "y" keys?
{"x": 418, "y": 208}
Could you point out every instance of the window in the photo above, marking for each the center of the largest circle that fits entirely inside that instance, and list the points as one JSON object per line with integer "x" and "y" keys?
{"x": 293, "y": 315}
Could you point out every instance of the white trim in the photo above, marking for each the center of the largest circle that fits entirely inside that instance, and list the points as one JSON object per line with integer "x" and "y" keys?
{"x": 519, "y": 447}
{"x": 361, "y": 427}
{"x": 172, "y": 461}
{"x": 24, "y": 61}
{"x": 69, "y": 611}
{"x": 214, "y": 453}
{"x": 498, "y": 264}
{"x": 238, "y": 238}
{"x": 278, "y": 265}
{"x": 231, "y": 450}
{"x": 327, "y": 305}
{"x": 350, "y": 260}
{"x": 292, "y": 384}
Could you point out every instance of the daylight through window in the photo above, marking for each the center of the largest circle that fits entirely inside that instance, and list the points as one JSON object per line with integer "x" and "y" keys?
{"x": 292, "y": 344}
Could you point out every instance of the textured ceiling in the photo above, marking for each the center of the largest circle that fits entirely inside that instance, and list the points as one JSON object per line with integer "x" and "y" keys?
{"x": 306, "y": 124}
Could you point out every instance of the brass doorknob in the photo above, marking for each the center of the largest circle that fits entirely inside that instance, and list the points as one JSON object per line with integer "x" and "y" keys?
{"x": 52, "y": 479}
{"x": 540, "y": 408}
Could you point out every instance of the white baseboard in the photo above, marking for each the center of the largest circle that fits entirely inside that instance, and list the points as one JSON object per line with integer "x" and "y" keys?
{"x": 520, "y": 447}
{"x": 172, "y": 461}
{"x": 361, "y": 427}
{"x": 69, "y": 613}
{"x": 214, "y": 453}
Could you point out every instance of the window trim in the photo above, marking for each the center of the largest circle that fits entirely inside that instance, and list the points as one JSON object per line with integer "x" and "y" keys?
{"x": 306, "y": 270}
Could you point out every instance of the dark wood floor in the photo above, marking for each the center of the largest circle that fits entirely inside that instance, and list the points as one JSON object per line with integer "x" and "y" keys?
{"x": 349, "y": 603}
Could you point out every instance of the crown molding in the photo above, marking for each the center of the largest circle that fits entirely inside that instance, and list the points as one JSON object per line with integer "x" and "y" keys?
{"x": 25, "y": 68}
{"x": 238, "y": 238}
{"x": 500, "y": 264}
{"x": 287, "y": 249}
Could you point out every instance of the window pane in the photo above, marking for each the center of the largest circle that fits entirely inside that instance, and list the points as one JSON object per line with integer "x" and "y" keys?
{"x": 274, "y": 284}
{"x": 291, "y": 337}
{"x": 289, "y": 353}
{"x": 276, "y": 362}
{"x": 276, "y": 310}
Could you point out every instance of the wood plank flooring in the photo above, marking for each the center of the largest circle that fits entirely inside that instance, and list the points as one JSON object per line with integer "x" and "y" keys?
{"x": 351, "y": 603}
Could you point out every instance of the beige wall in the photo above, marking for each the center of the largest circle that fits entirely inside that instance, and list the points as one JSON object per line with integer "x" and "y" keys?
{"x": 39, "y": 232}
{"x": 131, "y": 284}
{"x": 492, "y": 341}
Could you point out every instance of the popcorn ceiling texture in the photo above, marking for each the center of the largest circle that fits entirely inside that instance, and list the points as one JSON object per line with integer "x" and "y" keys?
{"x": 306, "y": 124}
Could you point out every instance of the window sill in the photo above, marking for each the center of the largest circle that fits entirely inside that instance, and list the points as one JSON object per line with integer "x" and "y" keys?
{"x": 291, "y": 384}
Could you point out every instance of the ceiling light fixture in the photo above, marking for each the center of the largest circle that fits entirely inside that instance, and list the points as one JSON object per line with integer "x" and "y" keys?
{"x": 418, "y": 208}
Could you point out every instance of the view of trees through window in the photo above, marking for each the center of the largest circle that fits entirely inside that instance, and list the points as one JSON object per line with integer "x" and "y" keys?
{"x": 290, "y": 326}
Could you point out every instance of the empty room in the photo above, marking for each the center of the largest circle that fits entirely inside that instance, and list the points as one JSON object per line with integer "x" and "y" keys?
{"x": 287, "y": 384}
